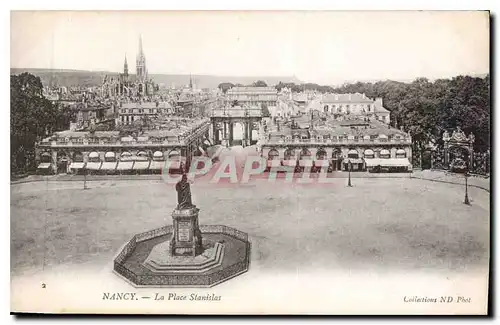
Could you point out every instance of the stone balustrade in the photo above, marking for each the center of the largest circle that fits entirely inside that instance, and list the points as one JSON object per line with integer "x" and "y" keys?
{"x": 272, "y": 142}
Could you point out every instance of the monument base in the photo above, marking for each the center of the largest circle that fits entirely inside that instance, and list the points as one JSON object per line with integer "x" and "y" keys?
{"x": 159, "y": 262}
{"x": 186, "y": 239}
{"x": 145, "y": 262}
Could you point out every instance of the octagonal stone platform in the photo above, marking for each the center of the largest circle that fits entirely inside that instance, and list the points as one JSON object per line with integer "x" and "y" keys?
{"x": 144, "y": 261}
{"x": 159, "y": 261}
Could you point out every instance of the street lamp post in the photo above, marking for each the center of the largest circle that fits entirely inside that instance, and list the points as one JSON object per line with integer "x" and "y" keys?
{"x": 349, "y": 164}
{"x": 85, "y": 179}
{"x": 466, "y": 199}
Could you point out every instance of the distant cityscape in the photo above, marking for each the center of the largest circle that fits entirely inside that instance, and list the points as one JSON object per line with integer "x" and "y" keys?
{"x": 130, "y": 123}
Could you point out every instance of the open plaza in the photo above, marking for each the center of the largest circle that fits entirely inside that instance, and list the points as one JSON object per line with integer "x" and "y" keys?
{"x": 394, "y": 223}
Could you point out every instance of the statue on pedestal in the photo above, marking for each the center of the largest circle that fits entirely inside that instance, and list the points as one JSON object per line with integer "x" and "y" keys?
{"x": 183, "y": 194}
{"x": 186, "y": 238}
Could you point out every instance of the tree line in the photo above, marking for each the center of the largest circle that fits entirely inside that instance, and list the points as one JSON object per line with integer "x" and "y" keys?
{"x": 225, "y": 86}
{"x": 426, "y": 109}
{"x": 32, "y": 117}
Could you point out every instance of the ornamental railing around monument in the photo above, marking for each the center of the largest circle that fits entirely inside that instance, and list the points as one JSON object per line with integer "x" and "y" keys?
{"x": 120, "y": 258}
{"x": 153, "y": 233}
{"x": 126, "y": 272}
{"x": 225, "y": 230}
{"x": 210, "y": 279}
{"x": 233, "y": 269}
{"x": 127, "y": 250}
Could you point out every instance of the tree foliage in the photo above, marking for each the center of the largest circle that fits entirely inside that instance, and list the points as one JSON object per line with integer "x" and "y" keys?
{"x": 265, "y": 111}
{"x": 32, "y": 117}
{"x": 259, "y": 83}
{"x": 303, "y": 87}
{"x": 225, "y": 86}
{"x": 426, "y": 109}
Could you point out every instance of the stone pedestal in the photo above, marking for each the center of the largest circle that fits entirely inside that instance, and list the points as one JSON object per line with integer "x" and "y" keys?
{"x": 186, "y": 237}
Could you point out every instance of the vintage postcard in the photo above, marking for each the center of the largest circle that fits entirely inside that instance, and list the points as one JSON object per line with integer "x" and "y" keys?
{"x": 250, "y": 162}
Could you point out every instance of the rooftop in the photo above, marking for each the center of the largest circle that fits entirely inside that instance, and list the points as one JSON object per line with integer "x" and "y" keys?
{"x": 146, "y": 105}
{"x": 253, "y": 89}
{"x": 168, "y": 128}
{"x": 354, "y": 127}
{"x": 346, "y": 98}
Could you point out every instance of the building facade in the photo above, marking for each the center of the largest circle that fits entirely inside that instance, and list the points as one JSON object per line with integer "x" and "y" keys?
{"x": 253, "y": 96}
{"x": 366, "y": 143}
{"x": 355, "y": 104}
{"x": 107, "y": 152}
{"x": 130, "y": 112}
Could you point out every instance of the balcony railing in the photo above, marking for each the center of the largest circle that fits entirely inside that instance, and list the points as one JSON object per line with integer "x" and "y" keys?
{"x": 237, "y": 113}
{"x": 336, "y": 141}
{"x": 200, "y": 128}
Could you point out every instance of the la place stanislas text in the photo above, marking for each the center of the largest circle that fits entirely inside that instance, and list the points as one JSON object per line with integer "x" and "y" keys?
{"x": 161, "y": 297}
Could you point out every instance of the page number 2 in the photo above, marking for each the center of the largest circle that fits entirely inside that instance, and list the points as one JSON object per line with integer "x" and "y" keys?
{"x": 43, "y": 286}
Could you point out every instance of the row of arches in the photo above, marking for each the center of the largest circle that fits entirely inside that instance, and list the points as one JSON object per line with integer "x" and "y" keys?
{"x": 111, "y": 156}
{"x": 321, "y": 154}
{"x": 304, "y": 154}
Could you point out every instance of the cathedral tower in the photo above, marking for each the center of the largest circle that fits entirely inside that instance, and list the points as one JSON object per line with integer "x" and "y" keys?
{"x": 141, "y": 63}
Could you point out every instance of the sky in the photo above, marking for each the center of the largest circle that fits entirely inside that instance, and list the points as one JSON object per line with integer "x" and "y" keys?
{"x": 327, "y": 47}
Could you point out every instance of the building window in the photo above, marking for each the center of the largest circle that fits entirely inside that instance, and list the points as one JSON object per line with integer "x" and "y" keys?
{"x": 94, "y": 157}
{"x": 46, "y": 157}
{"x": 384, "y": 153}
{"x": 78, "y": 157}
{"x": 369, "y": 154}
{"x": 273, "y": 154}
{"x": 353, "y": 154}
{"x": 400, "y": 153}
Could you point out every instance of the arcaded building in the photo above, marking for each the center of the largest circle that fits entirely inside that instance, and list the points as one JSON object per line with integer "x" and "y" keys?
{"x": 108, "y": 152}
{"x": 365, "y": 142}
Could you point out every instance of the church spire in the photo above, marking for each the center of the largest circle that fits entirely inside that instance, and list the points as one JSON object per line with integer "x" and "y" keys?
{"x": 125, "y": 66}
{"x": 140, "y": 45}
{"x": 141, "y": 70}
